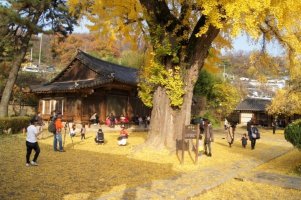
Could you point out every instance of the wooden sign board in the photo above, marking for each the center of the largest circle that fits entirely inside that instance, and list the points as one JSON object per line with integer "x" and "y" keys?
{"x": 190, "y": 133}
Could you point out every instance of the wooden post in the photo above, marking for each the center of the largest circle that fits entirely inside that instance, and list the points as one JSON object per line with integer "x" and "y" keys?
{"x": 197, "y": 143}
{"x": 183, "y": 143}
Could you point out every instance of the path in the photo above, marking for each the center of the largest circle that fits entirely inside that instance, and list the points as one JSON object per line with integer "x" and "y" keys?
{"x": 194, "y": 183}
{"x": 281, "y": 180}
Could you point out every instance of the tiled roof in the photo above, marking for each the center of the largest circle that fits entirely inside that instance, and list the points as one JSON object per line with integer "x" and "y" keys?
{"x": 107, "y": 73}
{"x": 253, "y": 104}
{"x": 120, "y": 73}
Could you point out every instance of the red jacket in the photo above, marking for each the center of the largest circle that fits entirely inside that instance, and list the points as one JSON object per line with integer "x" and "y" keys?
{"x": 58, "y": 125}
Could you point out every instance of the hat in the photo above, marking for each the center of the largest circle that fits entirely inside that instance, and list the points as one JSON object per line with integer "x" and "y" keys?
{"x": 122, "y": 126}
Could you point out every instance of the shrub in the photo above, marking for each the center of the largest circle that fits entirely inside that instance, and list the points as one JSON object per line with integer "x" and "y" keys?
{"x": 16, "y": 124}
{"x": 213, "y": 119}
{"x": 292, "y": 133}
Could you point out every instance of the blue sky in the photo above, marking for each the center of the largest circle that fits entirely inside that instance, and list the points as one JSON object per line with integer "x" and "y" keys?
{"x": 243, "y": 43}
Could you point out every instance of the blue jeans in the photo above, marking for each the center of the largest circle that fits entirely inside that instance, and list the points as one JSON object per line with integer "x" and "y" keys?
{"x": 54, "y": 142}
{"x": 60, "y": 140}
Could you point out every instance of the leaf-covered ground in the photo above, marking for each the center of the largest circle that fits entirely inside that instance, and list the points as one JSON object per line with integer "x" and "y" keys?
{"x": 88, "y": 171}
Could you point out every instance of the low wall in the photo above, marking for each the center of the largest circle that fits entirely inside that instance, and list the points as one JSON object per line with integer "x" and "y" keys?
{"x": 17, "y": 110}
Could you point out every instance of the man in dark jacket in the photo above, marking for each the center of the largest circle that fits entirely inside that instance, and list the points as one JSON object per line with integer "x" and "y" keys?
{"x": 208, "y": 137}
{"x": 251, "y": 133}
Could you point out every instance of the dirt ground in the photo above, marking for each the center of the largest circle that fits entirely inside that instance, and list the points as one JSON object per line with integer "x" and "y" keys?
{"x": 88, "y": 171}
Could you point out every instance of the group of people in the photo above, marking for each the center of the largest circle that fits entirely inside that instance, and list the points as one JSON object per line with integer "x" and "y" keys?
{"x": 252, "y": 133}
{"x": 206, "y": 132}
{"x": 34, "y": 130}
{"x": 99, "y": 137}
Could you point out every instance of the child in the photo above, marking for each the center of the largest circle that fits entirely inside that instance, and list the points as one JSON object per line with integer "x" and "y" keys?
{"x": 83, "y": 132}
{"x": 244, "y": 140}
{"x": 72, "y": 131}
{"x": 99, "y": 139}
{"x": 122, "y": 139}
{"x": 201, "y": 147}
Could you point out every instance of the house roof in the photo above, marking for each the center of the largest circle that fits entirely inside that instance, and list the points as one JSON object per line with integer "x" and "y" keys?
{"x": 253, "y": 104}
{"x": 106, "y": 73}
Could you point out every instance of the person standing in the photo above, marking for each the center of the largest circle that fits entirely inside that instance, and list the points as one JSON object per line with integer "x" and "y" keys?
{"x": 83, "y": 132}
{"x": 93, "y": 119}
{"x": 32, "y": 144}
{"x": 59, "y": 128}
{"x": 253, "y": 135}
{"x": 230, "y": 131}
{"x": 208, "y": 137}
{"x": 53, "y": 118}
{"x": 73, "y": 131}
{"x": 112, "y": 120}
{"x": 274, "y": 126}
{"x": 122, "y": 119}
{"x": 244, "y": 140}
{"x": 226, "y": 124}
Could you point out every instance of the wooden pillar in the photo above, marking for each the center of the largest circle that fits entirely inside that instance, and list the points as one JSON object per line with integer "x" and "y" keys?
{"x": 103, "y": 109}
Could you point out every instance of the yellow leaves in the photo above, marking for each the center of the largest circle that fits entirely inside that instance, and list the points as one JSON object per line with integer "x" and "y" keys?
{"x": 154, "y": 74}
{"x": 226, "y": 96}
{"x": 212, "y": 60}
{"x": 174, "y": 86}
{"x": 285, "y": 103}
{"x": 261, "y": 64}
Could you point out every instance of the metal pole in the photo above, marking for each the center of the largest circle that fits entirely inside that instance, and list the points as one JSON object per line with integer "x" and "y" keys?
{"x": 40, "y": 49}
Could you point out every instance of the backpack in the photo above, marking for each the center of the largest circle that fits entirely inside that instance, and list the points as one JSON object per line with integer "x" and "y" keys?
{"x": 256, "y": 133}
{"x": 51, "y": 126}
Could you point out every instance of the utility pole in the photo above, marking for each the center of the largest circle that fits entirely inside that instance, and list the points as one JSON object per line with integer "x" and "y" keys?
{"x": 40, "y": 49}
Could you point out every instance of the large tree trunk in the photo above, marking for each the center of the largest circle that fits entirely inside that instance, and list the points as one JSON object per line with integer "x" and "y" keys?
{"x": 13, "y": 74}
{"x": 164, "y": 121}
{"x": 167, "y": 123}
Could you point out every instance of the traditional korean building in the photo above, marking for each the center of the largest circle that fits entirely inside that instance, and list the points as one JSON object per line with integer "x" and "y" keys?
{"x": 88, "y": 85}
{"x": 256, "y": 108}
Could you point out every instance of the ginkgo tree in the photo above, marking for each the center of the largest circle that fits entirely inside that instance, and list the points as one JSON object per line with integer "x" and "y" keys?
{"x": 180, "y": 35}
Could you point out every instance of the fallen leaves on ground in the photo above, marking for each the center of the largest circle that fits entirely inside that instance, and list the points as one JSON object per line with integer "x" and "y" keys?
{"x": 87, "y": 170}
{"x": 238, "y": 190}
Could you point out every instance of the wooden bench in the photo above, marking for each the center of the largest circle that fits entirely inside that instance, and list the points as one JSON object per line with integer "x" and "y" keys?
{"x": 189, "y": 134}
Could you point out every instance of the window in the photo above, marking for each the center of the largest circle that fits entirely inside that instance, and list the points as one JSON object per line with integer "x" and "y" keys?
{"x": 49, "y": 105}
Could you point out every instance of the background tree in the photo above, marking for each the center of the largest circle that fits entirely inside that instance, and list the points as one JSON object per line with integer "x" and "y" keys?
{"x": 221, "y": 96}
{"x": 180, "y": 35}
{"x": 64, "y": 49}
{"x": 285, "y": 102}
{"x": 224, "y": 98}
{"x": 20, "y": 20}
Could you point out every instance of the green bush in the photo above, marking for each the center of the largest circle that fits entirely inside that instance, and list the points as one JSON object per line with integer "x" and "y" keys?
{"x": 292, "y": 133}
{"x": 16, "y": 124}
{"x": 212, "y": 118}
{"x": 208, "y": 115}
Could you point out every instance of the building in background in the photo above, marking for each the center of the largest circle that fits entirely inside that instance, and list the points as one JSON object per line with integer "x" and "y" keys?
{"x": 88, "y": 85}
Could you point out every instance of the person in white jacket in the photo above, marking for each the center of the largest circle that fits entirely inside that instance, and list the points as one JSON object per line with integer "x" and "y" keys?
{"x": 32, "y": 144}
